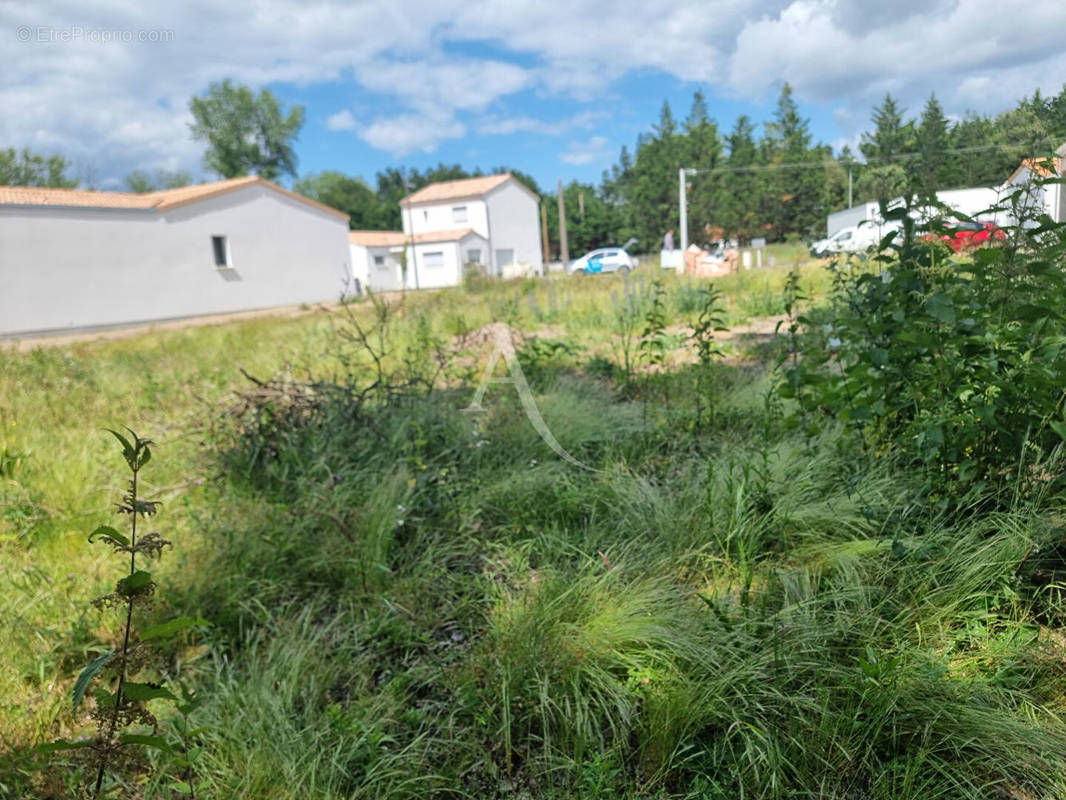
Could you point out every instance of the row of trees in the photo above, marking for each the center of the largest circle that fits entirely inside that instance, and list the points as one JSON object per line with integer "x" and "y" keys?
{"x": 783, "y": 183}
{"x": 778, "y": 184}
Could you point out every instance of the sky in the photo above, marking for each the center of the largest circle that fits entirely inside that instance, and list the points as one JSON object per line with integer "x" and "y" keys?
{"x": 551, "y": 88}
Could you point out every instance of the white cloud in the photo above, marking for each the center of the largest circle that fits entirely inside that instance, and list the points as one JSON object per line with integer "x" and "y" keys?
{"x": 595, "y": 149}
{"x": 341, "y": 121}
{"x": 505, "y": 126}
{"x": 407, "y": 133}
{"x": 121, "y": 106}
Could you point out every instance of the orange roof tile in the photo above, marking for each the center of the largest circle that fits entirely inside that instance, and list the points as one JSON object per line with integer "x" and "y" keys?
{"x": 455, "y": 190}
{"x": 1039, "y": 167}
{"x": 453, "y": 235}
{"x": 376, "y": 238}
{"x": 398, "y": 238}
{"x": 150, "y": 201}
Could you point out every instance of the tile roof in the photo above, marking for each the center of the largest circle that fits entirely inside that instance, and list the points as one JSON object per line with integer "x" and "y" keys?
{"x": 376, "y": 238}
{"x": 1039, "y": 167}
{"x": 398, "y": 238}
{"x": 453, "y": 235}
{"x": 149, "y": 201}
{"x": 453, "y": 190}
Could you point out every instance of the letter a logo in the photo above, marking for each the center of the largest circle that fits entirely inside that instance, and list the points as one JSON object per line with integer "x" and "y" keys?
{"x": 504, "y": 347}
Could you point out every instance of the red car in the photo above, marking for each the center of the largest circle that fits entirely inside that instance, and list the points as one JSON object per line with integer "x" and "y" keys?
{"x": 964, "y": 236}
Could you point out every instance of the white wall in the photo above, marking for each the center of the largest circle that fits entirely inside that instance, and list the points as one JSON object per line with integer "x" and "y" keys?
{"x": 439, "y": 217}
{"x": 451, "y": 272}
{"x": 360, "y": 261}
{"x": 514, "y": 223}
{"x": 419, "y": 276}
{"x": 849, "y": 216}
{"x": 74, "y": 268}
{"x": 385, "y": 277}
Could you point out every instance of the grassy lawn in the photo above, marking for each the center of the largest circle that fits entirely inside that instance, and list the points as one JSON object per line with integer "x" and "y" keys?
{"x": 409, "y": 601}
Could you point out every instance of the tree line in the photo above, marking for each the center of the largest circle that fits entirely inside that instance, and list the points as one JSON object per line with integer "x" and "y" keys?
{"x": 778, "y": 183}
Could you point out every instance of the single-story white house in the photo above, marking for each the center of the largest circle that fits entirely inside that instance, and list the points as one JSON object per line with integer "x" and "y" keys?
{"x": 76, "y": 260}
{"x": 434, "y": 259}
{"x": 499, "y": 209}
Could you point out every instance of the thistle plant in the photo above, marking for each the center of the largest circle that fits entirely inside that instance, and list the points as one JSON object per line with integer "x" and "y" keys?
{"x": 124, "y": 724}
{"x": 654, "y": 341}
{"x": 711, "y": 320}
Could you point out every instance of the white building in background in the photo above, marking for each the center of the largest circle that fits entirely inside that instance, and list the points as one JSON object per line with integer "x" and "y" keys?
{"x": 433, "y": 260}
{"x": 1037, "y": 199}
{"x": 499, "y": 209}
{"x": 76, "y": 260}
{"x": 971, "y": 202}
{"x": 377, "y": 260}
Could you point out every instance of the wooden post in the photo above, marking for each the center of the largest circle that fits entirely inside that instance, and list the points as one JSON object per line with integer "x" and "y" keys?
{"x": 564, "y": 250}
{"x": 544, "y": 235}
{"x": 581, "y": 204}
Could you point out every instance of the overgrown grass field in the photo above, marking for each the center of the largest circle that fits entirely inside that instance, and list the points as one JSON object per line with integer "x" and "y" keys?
{"x": 407, "y": 599}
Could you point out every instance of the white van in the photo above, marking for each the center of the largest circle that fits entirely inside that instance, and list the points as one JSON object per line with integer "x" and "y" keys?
{"x": 853, "y": 239}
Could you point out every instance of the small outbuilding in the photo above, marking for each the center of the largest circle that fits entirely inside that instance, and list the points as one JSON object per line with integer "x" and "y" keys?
{"x": 390, "y": 260}
{"x": 75, "y": 260}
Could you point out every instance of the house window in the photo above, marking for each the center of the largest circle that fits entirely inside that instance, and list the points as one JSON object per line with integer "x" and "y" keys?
{"x": 473, "y": 256}
{"x": 433, "y": 259}
{"x": 459, "y": 214}
{"x": 379, "y": 261}
{"x": 220, "y": 247}
{"x": 504, "y": 258}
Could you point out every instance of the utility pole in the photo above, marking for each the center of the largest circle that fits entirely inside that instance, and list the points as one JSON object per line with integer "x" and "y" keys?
{"x": 544, "y": 235}
{"x": 581, "y": 204}
{"x": 683, "y": 201}
{"x": 849, "y": 185}
{"x": 411, "y": 239}
{"x": 564, "y": 250}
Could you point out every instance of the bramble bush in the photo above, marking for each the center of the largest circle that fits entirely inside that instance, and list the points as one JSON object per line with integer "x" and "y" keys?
{"x": 955, "y": 361}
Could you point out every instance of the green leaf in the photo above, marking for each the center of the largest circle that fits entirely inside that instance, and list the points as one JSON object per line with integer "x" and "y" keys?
{"x": 108, "y": 532}
{"x": 143, "y": 692}
{"x": 1059, "y": 428}
{"x": 133, "y": 583}
{"x": 145, "y": 457}
{"x": 127, "y": 449}
{"x": 172, "y": 627}
{"x": 940, "y": 307}
{"x": 181, "y": 787}
{"x": 158, "y": 742}
{"x": 85, "y": 678}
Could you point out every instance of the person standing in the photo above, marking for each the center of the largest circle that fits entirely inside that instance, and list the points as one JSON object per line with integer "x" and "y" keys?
{"x": 668, "y": 240}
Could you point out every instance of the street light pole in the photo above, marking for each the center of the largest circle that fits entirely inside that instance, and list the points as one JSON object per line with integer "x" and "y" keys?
{"x": 683, "y": 202}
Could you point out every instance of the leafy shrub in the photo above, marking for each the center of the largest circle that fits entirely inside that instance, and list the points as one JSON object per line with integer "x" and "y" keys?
{"x": 957, "y": 362}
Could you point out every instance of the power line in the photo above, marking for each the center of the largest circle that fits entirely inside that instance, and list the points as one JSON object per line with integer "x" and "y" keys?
{"x": 846, "y": 164}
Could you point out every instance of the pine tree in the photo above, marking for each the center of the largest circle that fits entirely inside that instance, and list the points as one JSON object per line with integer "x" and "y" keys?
{"x": 702, "y": 150}
{"x": 793, "y": 196}
{"x": 891, "y": 137}
{"x": 932, "y": 148}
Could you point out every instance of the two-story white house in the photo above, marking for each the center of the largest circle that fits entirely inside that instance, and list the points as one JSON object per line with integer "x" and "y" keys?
{"x": 491, "y": 221}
